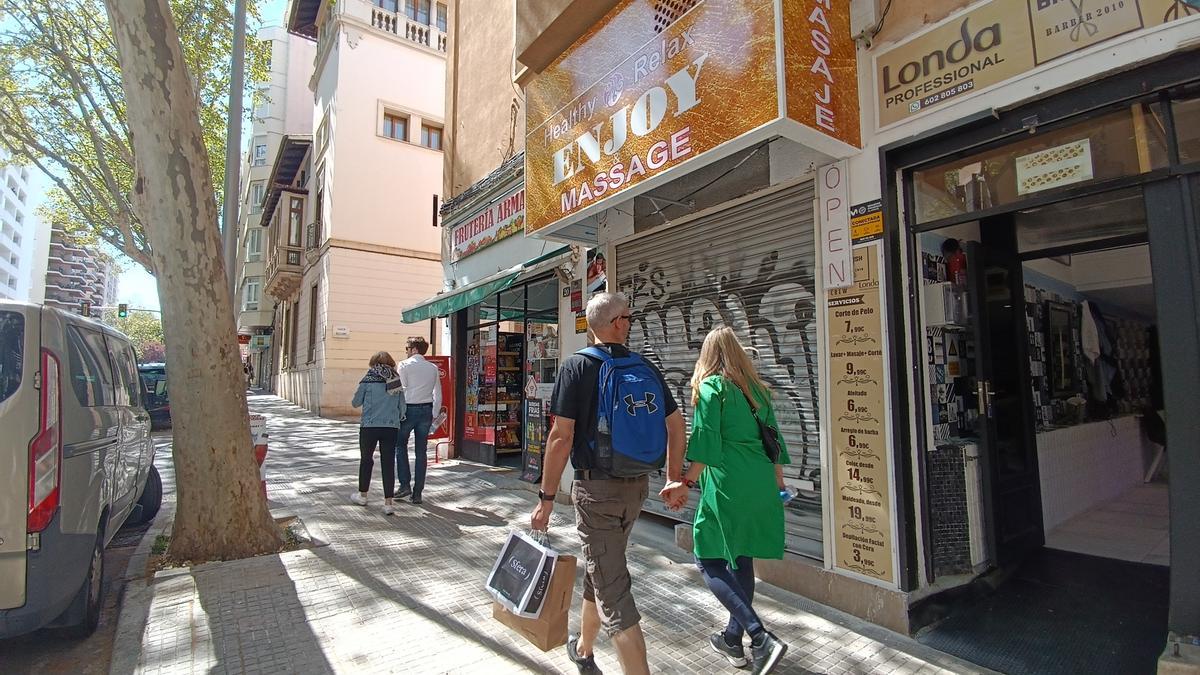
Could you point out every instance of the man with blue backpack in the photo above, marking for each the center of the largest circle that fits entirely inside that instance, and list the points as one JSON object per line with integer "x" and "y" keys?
{"x": 616, "y": 419}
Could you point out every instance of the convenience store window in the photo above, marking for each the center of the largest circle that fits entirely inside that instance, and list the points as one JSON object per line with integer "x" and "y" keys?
{"x": 511, "y": 362}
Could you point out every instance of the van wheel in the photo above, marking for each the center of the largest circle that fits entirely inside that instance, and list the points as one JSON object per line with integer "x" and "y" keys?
{"x": 91, "y": 594}
{"x": 151, "y": 498}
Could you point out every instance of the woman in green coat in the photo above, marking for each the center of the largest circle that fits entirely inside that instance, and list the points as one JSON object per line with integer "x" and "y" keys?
{"x": 740, "y": 514}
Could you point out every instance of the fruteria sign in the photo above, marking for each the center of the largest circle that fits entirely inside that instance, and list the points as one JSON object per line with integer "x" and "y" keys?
{"x": 646, "y": 95}
{"x": 996, "y": 41}
{"x": 502, "y": 219}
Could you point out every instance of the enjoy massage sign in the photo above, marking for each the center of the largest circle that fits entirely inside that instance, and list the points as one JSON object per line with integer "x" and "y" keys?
{"x": 603, "y": 119}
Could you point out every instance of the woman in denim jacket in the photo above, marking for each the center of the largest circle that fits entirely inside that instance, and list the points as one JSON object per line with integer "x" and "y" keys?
{"x": 382, "y": 401}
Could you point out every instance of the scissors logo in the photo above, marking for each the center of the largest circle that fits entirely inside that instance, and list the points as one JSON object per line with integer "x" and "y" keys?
{"x": 1083, "y": 23}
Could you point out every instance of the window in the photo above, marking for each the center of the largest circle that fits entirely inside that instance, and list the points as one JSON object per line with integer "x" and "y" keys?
{"x": 258, "y": 190}
{"x": 252, "y": 295}
{"x": 295, "y": 220}
{"x": 312, "y": 325}
{"x": 262, "y": 103}
{"x": 441, "y": 17}
{"x": 16, "y": 238}
{"x": 417, "y": 10}
{"x": 260, "y": 151}
{"x": 12, "y": 352}
{"x": 91, "y": 375}
{"x": 389, "y": 5}
{"x": 128, "y": 391}
{"x": 395, "y": 126}
{"x": 431, "y": 137}
{"x": 292, "y": 332}
{"x": 254, "y": 244}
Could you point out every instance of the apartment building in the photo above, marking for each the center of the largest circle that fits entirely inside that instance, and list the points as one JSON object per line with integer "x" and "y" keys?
{"x": 282, "y": 107}
{"x": 20, "y": 231}
{"x": 350, "y": 207}
{"x": 76, "y": 274}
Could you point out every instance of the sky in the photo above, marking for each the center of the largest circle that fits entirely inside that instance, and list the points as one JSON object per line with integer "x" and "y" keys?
{"x": 137, "y": 287}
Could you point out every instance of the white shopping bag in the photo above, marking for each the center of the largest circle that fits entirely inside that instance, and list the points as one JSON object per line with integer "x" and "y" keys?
{"x": 522, "y": 573}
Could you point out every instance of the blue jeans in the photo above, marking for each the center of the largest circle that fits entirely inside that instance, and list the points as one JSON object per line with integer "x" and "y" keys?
{"x": 418, "y": 419}
{"x": 735, "y": 590}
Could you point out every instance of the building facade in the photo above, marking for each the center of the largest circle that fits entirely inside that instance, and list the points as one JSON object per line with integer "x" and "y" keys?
{"x": 958, "y": 236}
{"x": 282, "y": 107}
{"x": 76, "y": 275}
{"x": 20, "y": 231}
{"x": 350, "y": 208}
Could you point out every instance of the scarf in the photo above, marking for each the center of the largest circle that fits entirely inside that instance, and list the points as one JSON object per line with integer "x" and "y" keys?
{"x": 384, "y": 374}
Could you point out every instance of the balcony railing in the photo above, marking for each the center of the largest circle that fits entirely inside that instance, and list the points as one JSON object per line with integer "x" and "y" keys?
{"x": 312, "y": 235}
{"x": 282, "y": 271}
{"x": 398, "y": 23}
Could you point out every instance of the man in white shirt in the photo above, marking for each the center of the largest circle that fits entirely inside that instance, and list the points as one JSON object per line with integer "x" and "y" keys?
{"x": 423, "y": 394}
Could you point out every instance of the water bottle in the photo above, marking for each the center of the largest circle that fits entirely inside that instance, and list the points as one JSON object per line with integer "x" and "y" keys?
{"x": 787, "y": 494}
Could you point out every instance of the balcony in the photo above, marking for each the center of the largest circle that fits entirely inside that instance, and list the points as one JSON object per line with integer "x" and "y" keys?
{"x": 305, "y": 15}
{"x": 283, "y": 272}
{"x": 398, "y": 23}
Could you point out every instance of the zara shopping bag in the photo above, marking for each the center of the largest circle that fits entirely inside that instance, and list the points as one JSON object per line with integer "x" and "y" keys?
{"x": 521, "y": 575}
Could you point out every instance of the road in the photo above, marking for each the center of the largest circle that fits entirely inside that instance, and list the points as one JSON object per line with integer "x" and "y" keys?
{"x": 47, "y": 650}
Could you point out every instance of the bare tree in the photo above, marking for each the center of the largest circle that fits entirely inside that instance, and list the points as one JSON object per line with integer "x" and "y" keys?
{"x": 220, "y": 512}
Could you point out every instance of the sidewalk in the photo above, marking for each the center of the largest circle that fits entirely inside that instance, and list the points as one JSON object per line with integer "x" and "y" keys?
{"x": 405, "y": 593}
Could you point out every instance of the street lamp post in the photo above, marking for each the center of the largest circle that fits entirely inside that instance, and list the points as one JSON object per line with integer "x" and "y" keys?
{"x": 233, "y": 144}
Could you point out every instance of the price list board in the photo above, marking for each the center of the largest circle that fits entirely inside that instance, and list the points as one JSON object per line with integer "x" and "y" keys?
{"x": 857, "y": 421}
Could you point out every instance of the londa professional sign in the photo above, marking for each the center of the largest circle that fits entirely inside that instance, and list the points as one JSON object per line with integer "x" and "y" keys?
{"x": 998, "y": 40}
{"x": 642, "y": 94}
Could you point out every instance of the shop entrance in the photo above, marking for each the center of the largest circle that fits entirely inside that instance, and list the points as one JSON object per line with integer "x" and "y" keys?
{"x": 1044, "y": 382}
{"x": 510, "y": 353}
{"x": 1048, "y": 267}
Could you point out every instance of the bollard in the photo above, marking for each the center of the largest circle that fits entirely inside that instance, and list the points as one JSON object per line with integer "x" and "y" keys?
{"x": 258, "y": 435}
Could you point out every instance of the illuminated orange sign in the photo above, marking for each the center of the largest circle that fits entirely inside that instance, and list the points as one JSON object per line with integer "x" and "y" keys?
{"x": 644, "y": 93}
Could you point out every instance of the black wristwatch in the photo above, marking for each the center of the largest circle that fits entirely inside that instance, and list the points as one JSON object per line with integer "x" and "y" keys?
{"x": 545, "y": 497}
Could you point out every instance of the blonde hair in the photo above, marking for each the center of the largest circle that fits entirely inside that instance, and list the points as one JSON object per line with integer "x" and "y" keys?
{"x": 722, "y": 354}
{"x": 384, "y": 358}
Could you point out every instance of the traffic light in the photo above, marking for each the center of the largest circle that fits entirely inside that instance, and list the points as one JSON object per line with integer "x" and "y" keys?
{"x": 122, "y": 310}
{"x": 85, "y": 308}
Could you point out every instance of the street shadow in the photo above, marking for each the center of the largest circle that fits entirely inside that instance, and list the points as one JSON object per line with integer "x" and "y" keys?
{"x": 250, "y": 611}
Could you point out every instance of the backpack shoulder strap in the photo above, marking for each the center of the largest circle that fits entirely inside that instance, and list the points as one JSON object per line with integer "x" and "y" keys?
{"x": 596, "y": 353}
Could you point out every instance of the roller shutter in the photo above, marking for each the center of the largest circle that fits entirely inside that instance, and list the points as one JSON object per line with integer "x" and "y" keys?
{"x": 751, "y": 267}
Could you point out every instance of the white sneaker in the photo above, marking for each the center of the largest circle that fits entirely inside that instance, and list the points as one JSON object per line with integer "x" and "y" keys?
{"x": 358, "y": 498}
{"x": 388, "y": 509}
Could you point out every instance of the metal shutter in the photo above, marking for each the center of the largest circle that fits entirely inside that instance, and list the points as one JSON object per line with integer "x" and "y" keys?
{"x": 751, "y": 267}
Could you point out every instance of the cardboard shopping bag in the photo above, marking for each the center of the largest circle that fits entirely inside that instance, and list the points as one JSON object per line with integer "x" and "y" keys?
{"x": 549, "y": 629}
{"x": 521, "y": 574}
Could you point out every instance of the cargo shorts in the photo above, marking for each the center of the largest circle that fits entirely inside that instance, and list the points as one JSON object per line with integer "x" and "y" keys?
{"x": 605, "y": 511}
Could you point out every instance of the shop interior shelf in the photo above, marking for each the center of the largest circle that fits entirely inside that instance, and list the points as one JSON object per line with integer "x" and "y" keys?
{"x": 509, "y": 368}
{"x": 509, "y": 353}
{"x": 506, "y": 450}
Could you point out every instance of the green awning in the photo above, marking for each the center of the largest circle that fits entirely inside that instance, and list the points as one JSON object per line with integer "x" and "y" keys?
{"x": 448, "y": 303}
{"x": 444, "y": 304}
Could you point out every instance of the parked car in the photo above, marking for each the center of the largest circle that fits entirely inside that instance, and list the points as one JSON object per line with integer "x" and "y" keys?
{"x": 78, "y": 463}
{"x": 155, "y": 398}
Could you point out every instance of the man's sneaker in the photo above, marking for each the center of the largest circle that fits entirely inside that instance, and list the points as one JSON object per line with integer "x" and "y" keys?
{"x": 416, "y": 499}
{"x": 587, "y": 665}
{"x": 358, "y": 498}
{"x": 403, "y": 492}
{"x": 735, "y": 654}
{"x": 767, "y": 651}
{"x": 388, "y": 509}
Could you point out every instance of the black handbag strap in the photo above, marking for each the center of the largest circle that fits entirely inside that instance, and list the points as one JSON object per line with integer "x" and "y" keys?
{"x": 763, "y": 427}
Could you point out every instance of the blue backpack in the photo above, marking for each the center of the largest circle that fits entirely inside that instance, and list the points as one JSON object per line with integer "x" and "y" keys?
{"x": 631, "y": 438}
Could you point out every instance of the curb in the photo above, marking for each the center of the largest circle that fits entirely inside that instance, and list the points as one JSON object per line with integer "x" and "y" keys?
{"x": 134, "y": 607}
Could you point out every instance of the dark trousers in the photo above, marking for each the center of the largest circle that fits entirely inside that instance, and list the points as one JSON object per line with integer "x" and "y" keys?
{"x": 417, "y": 419}
{"x": 385, "y": 438}
{"x": 735, "y": 590}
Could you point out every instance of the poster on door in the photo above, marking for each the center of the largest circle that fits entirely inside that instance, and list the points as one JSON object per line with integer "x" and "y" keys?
{"x": 862, "y": 517}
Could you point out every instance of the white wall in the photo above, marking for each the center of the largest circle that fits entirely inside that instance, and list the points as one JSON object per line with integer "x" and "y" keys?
{"x": 382, "y": 189}
{"x": 366, "y": 294}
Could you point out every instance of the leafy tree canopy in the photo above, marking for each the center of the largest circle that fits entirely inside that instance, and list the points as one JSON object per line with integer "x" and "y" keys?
{"x": 62, "y": 108}
{"x": 145, "y": 331}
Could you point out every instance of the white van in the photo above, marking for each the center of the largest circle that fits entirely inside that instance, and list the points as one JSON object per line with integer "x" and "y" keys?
{"x": 75, "y": 460}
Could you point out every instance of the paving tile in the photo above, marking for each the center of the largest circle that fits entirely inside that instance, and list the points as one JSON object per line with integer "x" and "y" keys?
{"x": 405, "y": 593}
